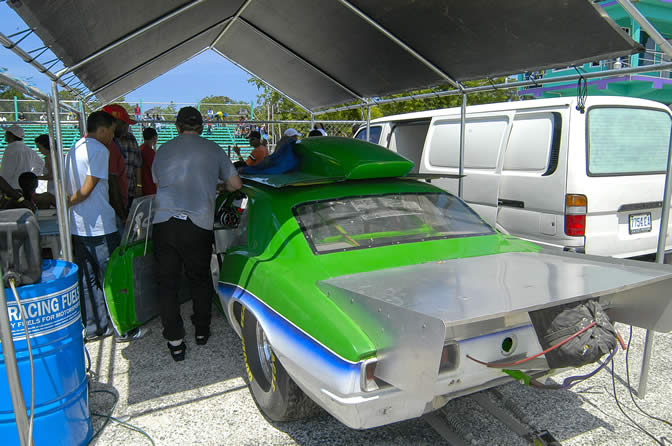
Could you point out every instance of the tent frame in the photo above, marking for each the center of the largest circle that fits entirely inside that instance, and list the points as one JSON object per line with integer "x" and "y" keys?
{"x": 460, "y": 89}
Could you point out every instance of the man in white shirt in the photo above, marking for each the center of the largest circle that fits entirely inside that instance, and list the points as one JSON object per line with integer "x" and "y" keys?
{"x": 18, "y": 157}
{"x": 92, "y": 220}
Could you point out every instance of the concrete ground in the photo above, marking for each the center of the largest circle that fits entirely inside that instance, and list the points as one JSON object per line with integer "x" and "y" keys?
{"x": 204, "y": 401}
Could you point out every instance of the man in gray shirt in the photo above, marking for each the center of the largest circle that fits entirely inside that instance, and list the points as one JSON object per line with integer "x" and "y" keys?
{"x": 186, "y": 171}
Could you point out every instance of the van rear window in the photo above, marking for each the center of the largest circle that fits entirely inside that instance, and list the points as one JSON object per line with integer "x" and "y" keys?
{"x": 625, "y": 141}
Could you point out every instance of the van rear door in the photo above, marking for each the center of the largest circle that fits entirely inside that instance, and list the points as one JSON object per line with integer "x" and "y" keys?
{"x": 485, "y": 136}
{"x": 622, "y": 175}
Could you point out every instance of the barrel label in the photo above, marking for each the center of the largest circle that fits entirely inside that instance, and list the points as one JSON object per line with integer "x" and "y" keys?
{"x": 45, "y": 314}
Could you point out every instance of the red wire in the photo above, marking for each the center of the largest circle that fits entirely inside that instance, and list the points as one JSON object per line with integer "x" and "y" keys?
{"x": 521, "y": 361}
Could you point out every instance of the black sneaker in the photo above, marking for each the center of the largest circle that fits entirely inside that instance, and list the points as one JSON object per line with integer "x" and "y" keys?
{"x": 202, "y": 336}
{"x": 133, "y": 335}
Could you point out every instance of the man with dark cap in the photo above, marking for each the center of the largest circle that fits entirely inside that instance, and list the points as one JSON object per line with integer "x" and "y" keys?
{"x": 186, "y": 171}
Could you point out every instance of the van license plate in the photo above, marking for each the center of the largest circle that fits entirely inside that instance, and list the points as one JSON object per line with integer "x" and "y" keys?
{"x": 640, "y": 223}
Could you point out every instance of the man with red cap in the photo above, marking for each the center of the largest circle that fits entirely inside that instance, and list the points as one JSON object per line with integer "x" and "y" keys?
{"x": 130, "y": 150}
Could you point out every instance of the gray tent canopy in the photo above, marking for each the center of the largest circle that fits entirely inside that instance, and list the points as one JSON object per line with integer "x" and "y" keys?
{"x": 322, "y": 53}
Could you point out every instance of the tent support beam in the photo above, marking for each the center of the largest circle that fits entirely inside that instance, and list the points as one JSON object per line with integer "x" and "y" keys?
{"x": 128, "y": 37}
{"x": 637, "y": 16}
{"x": 667, "y": 66}
{"x": 153, "y": 59}
{"x": 233, "y": 20}
{"x": 59, "y": 176}
{"x": 262, "y": 80}
{"x": 321, "y": 72}
{"x": 401, "y": 44}
{"x": 463, "y": 125}
{"x": 12, "y": 46}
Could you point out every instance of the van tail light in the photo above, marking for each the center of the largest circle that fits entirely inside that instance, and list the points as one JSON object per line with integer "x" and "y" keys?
{"x": 576, "y": 207}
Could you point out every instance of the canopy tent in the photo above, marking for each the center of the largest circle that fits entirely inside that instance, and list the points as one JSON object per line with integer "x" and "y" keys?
{"x": 322, "y": 53}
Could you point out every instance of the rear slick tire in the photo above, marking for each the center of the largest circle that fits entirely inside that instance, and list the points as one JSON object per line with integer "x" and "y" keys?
{"x": 274, "y": 392}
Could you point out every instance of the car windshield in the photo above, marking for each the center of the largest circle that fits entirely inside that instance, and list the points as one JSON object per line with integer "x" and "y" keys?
{"x": 369, "y": 221}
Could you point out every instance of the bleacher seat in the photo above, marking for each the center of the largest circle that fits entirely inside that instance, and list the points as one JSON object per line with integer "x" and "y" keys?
{"x": 223, "y": 136}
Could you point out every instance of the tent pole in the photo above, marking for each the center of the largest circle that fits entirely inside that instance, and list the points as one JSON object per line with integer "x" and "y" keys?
{"x": 368, "y": 122}
{"x": 13, "y": 378}
{"x": 660, "y": 258}
{"x": 463, "y": 125}
{"x": 61, "y": 208}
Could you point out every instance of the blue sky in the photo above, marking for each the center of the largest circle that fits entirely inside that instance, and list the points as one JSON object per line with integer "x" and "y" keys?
{"x": 204, "y": 75}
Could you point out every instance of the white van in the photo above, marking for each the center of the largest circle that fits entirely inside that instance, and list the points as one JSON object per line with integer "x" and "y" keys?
{"x": 542, "y": 170}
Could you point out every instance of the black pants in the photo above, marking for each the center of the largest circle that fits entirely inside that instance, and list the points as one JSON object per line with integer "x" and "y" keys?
{"x": 180, "y": 243}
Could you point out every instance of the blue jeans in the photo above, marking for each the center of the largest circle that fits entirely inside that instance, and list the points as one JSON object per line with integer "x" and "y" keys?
{"x": 91, "y": 256}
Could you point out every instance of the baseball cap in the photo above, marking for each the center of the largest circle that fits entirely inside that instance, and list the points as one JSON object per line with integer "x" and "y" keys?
{"x": 118, "y": 112}
{"x": 254, "y": 134}
{"x": 292, "y": 132}
{"x": 189, "y": 116}
{"x": 15, "y": 130}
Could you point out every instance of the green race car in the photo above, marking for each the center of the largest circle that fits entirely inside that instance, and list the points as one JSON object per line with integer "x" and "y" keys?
{"x": 378, "y": 296}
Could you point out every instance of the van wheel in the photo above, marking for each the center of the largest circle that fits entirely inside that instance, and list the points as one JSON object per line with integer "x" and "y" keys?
{"x": 274, "y": 392}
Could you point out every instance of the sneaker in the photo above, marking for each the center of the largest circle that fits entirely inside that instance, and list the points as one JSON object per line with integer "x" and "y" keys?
{"x": 202, "y": 336}
{"x": 133, "y": 335}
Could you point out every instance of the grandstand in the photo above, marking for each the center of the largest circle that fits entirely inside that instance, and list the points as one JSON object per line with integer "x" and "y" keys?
{"x": 223, "y": 135}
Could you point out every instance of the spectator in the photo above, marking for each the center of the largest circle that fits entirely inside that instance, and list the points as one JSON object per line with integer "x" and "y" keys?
{"x": 22, "y": 117}
{"x": 3, "y": 119}
{"x": 11, "y": 198}
{"x": 129, "y": 148}
{"x": 48, "y": 198}
{"x": 18, "y": 157}
{"x": 314, "y": 132}
{"x": 289, "y": 135}
{"x": 138, "y": 112}
{"x": 282, "y": 160}
{"x": 150, "y": 138}
{"x": 211, "y": 114}
{"x": 258, "y": 153}
{"x": 186, "y": 171}
{"x": 93, "y": 226}
{"x": 319, "y": 127}
{"x": 28, "y": 184}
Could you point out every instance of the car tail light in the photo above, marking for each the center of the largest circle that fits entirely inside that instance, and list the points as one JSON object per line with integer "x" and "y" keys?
{"x": 450, "y": 357}
{"x": 368, "y": 375}
{"x": 576, "y": 207}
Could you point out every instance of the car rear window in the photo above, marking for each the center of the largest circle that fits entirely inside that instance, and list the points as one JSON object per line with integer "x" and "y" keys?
{"x": 625, "y": 141}
{"x": 378, "y": 220}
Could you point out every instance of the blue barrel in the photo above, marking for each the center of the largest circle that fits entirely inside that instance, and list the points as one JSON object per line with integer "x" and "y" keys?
{"x": 55, "y": 327}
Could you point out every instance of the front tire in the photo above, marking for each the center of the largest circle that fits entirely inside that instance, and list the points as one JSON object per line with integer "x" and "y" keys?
{"x": 274, "y": 392}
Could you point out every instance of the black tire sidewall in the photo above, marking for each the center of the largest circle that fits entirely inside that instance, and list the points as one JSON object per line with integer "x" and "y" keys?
{"x": 271, "y": 398}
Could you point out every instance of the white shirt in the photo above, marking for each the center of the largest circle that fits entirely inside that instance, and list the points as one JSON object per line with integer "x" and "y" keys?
{"x": 19, "y": 158}
{"x": 93, "y": 216}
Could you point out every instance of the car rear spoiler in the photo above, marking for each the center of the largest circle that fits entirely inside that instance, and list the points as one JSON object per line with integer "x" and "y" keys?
{"x": 410, "y": 312}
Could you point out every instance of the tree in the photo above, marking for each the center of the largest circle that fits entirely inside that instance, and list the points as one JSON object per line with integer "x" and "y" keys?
{"x": 288, "y": 110}
{"x": 219, "y": 103}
